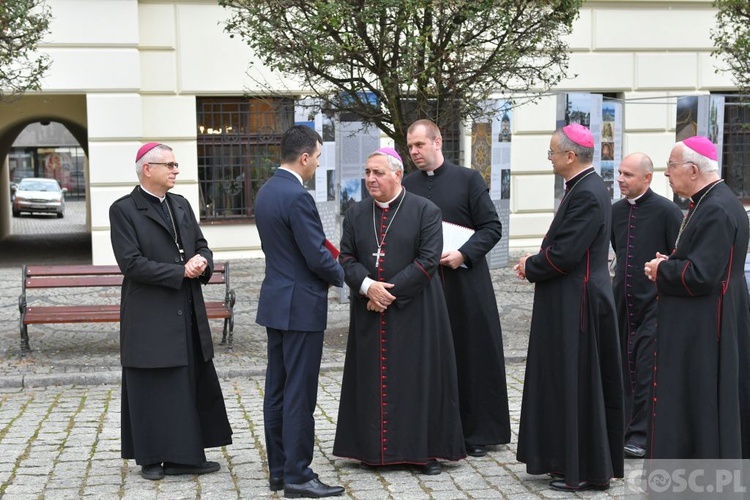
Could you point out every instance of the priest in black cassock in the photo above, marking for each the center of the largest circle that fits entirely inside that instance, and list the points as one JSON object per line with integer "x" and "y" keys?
{"x": 172, "y": 405}
{"x": 701, "y": 386}
{"x": 572, "y": 410}
{"x": 643, "y": 223}
{"x": 463, "y": 198}
{"x": 399, "y": 399}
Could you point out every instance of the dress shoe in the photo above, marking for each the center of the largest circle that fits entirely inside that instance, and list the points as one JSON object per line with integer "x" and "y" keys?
{"x": 276, "y": 483}
{"x": 634, "y": 451}
{"x": 152, "y": 472}
{"x": 432, "y": 468}
{"x": 171, "y": 469}
{"x": 561, "y": 485}
{"x": 312, "y": 489}
{"x": 476, "y": 450}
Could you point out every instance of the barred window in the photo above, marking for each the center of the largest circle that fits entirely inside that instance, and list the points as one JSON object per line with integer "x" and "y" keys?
{"x": 238, "y": 150}
{"x": 736, "y": 154}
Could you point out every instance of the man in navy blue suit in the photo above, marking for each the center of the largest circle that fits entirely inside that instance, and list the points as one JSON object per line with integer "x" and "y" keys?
{"x": 293, "y": 307}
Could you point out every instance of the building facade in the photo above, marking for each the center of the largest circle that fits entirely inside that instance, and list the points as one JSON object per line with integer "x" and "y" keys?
{"x": 126, "y": 72}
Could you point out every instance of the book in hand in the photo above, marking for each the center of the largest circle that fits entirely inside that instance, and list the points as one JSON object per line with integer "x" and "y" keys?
{"x": 331, "y": 248}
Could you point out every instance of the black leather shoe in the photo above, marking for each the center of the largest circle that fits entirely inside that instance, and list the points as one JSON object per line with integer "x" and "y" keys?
{"x": 152, "y": 472}
{"x": 312, "y": 489}
{"x": 561, "y": 485}
{"x": 432, "y": 468}
{"x": 476, "y": 450}
{"x": 276, "y": 483}
{"x": 634, "y": 451}
{"x": 171, "y": 469}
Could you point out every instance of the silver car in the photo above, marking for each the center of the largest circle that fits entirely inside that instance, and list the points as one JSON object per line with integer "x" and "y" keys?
{"x": 39, "y": 195}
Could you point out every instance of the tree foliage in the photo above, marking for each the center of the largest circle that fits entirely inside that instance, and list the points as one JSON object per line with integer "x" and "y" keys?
{"x": 732, "y": 39}
{"x": 23, "y": 24}
{"x": 393, "y": 61}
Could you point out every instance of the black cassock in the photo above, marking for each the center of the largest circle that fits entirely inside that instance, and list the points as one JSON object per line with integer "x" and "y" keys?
{"x": 639, "y": 230}
{"x": 463, "y": 198}
{"x": 399, "y": 398}
{"x": 572, "y": 409}
{"x": 172, "y": 414}
{"x": 172, "y": 407}
{"x": 701, "y": 392}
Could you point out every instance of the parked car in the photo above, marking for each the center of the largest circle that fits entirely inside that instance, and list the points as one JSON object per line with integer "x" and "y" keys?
{"x": 39, "y": 195}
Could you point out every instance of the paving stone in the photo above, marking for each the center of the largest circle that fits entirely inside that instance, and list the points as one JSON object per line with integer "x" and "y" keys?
{"x": 102, "y": 491}
{"x": 64, "y": 399}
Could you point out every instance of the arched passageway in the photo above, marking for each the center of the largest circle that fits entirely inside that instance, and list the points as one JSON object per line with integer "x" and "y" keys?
{"x": 45, "y": 137}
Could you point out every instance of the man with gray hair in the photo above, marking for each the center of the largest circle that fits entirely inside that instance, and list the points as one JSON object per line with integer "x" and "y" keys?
{"x": 399, "y": 395}
{"x": 643, "y": 223}
{"x": 172, "y": 405}
{"x": 701, "y": 391}
{"x": 572, "y": 415}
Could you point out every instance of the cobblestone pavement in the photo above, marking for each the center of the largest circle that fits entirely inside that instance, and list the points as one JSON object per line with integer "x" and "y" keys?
{"x": 63, "y": 442}
{"x": 60, "y": 405}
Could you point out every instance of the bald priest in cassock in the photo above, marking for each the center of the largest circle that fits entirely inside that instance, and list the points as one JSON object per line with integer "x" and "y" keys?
{"x": 572, "y": 411}
{"x": 399, "y": 396}
{"x": 701, "y": 398}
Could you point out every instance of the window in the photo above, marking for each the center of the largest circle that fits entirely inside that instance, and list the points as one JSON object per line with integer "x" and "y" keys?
{"x": 238, "y": 150}
{"x": 736, "y": 150}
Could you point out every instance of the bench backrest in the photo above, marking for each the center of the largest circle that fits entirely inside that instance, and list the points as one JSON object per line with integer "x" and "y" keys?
{"x": 94, "y": 276}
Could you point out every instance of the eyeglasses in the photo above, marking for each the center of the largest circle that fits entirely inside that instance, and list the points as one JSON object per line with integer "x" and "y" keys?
{"x": 550, "y": 153}
{"x": 170, "y": 165}
{"x": 671, "y": 165}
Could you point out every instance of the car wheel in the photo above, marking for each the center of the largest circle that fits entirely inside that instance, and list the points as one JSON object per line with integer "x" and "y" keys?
{"x": 60, "y": 215}
{"x": 16, "y": 213}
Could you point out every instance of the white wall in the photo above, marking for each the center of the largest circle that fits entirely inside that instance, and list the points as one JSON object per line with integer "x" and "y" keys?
{"x": 142, "y": 63}
{"x": 651, "y": 53}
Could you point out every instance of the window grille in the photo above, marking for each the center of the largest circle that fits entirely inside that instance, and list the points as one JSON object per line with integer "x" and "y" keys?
{"x": 736, "y": 150}
{"x": 238, "y": 150}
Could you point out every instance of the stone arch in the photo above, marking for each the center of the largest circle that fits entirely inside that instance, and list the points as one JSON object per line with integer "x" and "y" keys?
{"x": 16, "y": 114}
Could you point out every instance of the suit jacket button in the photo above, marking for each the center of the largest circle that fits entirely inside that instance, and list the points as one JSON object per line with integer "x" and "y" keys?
{"x": 179, "y": 312}
{"x": 176, "y": 260}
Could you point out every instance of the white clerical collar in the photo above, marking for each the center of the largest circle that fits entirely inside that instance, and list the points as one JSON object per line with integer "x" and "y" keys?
{"x": 299, "y": 177}
{"x": 633, "y": 201}
{"x": 430, "y": 173}
{"x": 388, "y": 203}
{"x": 161, "y": 198}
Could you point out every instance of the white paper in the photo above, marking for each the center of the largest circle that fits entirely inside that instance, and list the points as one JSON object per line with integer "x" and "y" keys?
{"x": 454, "y": 236}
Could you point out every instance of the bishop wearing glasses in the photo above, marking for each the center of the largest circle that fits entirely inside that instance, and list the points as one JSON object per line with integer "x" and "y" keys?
{"x": 172, "y": 404}
{"x": 701, "y": 385}
{"x": 572, "y": 410}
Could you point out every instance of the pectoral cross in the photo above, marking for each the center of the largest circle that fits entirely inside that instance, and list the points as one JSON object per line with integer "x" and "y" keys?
{"x": 377, "y": 256}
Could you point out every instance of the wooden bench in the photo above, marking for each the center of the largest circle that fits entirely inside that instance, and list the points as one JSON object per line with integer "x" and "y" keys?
{"x": 46, "y": 277}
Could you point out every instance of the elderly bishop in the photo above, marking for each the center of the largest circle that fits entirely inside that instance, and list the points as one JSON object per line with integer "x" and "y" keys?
{"x": 399, "y": 397}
